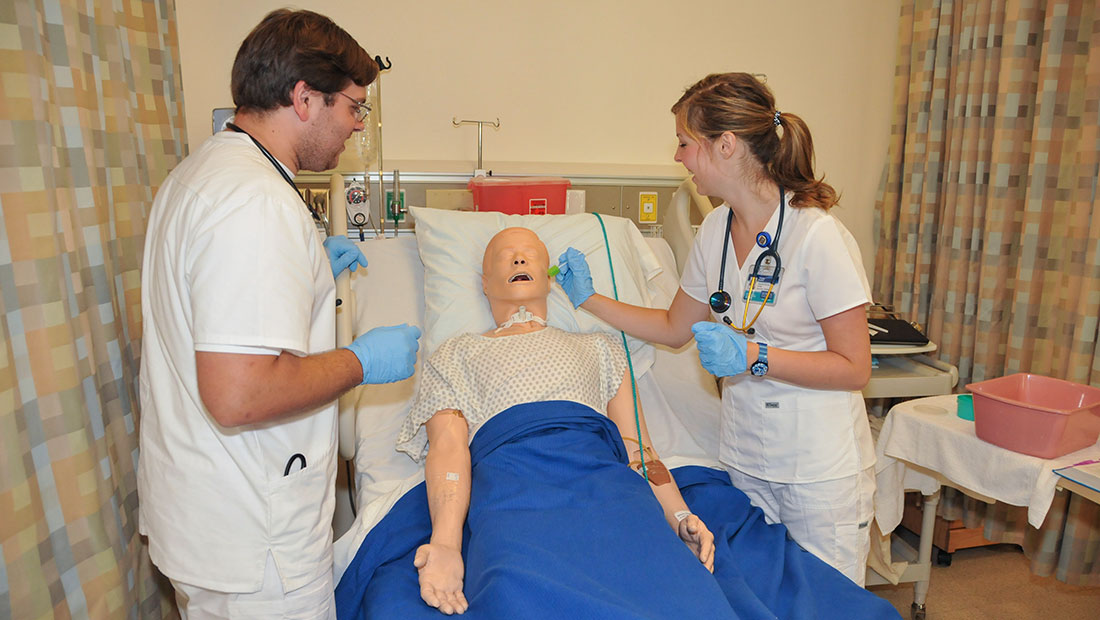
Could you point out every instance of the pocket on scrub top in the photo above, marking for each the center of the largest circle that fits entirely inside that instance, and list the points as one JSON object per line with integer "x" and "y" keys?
{"x": 301, "y": 508}
{"x": 809, "y": 436}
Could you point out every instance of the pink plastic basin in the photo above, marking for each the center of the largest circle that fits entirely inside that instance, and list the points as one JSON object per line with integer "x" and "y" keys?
{"x": 1036, "y": 415}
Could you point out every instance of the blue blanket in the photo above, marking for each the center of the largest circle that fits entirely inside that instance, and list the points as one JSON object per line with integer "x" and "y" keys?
{"x": 560, "y": 527}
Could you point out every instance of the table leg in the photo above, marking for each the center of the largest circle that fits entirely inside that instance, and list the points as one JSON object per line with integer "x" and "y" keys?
{"x": 924, "y": 553}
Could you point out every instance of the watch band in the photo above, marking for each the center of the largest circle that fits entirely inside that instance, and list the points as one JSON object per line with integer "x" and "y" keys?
{"x": 759, "y": 368}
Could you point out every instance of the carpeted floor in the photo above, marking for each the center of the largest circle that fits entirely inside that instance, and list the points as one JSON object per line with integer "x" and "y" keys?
{"x": 994, "y": 582}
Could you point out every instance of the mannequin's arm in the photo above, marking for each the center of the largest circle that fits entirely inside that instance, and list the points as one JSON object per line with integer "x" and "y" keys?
{"x": 690, "y": 528}
{"x": 447, "y": 481}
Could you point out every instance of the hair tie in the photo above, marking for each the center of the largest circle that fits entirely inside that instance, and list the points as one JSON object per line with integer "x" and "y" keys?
{"x": 775, "y": 119}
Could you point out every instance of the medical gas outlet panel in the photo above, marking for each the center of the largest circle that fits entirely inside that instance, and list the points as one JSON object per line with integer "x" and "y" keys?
{"x": 363, "y": 207}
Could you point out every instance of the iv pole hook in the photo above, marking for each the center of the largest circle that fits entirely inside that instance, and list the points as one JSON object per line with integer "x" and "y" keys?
{"x": 494, "y": 124}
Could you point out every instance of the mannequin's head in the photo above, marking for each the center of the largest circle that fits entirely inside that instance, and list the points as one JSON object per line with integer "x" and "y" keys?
{"x": 514, "y": 273}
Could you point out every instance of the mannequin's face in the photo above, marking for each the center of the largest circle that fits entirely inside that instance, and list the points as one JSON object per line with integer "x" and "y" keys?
{"x": 514, "y": 267}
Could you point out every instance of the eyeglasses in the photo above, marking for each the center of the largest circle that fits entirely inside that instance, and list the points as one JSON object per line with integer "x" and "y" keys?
{"x": 361, "y": 109}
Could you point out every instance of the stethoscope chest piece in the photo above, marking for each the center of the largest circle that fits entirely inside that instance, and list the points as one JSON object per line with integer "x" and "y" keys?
{"x": 763, "y": 239}
{"x": 720, "y": 301}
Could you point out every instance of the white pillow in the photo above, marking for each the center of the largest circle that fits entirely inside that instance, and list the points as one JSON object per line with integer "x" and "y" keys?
{"x": 452, "y": 245}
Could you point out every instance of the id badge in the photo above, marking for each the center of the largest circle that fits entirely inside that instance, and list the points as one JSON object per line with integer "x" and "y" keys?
{"x": 766, "y": 279}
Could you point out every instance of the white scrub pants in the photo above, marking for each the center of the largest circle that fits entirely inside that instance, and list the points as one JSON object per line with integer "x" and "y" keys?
{"x": 829, "y": 519}
{"x": 313, "y": 601}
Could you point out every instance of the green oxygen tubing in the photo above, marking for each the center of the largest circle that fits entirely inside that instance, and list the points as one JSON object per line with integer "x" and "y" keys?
{"x": 629, "y": 362}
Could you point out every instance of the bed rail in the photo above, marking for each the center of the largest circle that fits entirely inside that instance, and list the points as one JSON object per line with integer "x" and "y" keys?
{"x": 338, "y": 225}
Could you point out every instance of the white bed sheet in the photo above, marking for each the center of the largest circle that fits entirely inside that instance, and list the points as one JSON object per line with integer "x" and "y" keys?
{"x": 390, "y": 290}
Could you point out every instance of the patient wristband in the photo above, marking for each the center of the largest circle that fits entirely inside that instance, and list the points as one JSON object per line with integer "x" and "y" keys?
{"x": 681, "y": 515}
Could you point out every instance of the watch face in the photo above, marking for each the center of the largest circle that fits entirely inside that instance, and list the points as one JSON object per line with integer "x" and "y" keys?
{"x": 759, "y": 369}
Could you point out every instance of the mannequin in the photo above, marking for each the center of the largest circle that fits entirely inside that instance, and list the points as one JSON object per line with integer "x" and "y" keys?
{"x": 516, "y": 283}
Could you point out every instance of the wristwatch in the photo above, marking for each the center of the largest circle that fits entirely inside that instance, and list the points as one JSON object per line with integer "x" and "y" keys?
{"x": 759, "y": 368}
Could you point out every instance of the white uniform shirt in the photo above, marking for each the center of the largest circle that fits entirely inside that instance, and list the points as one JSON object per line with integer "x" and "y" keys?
{"x": 233, "y": 262}
{"x": 482, "y": 376}
{"x": 773, "y": 429}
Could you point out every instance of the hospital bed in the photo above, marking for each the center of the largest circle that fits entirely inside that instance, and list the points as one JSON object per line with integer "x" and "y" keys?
{"x": 392, "y": 290}
{"x": 433, "y": 280}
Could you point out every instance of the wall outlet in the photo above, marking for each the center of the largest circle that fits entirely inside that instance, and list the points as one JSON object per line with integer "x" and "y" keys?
{"x": 647, "y": 207}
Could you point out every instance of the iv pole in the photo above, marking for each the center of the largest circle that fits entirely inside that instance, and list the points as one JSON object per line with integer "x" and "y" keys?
{"x": 479, "y": 171}
{"x": 383, "y": 65}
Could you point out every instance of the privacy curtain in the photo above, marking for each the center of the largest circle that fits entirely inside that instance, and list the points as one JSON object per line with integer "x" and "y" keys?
{"x": 989, "y": 220}
{"x": 91, "y": 121}
{"x": 988, "y": 214}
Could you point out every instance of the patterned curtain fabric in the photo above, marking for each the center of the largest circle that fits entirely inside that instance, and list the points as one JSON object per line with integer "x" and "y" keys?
{"x": 988, "y": 215}
{"x": 989, "y": 218}
{"x": 91, "y": 121}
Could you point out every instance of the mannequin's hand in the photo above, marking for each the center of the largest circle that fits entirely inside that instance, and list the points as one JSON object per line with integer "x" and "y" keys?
{"x": 441, "y": 573}
{"x": 698, "y": 538}
{"x": 722, "y": 351}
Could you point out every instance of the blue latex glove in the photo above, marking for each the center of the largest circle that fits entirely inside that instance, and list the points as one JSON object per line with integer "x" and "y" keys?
{"x": 343, "y": 254}
{"x": 387, "y": 354}
{"x": 722, "y": 351}
{"x": 574, "y": 276}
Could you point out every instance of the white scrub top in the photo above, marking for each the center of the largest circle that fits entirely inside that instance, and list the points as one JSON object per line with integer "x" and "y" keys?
{"x": 233, "y": 262}
{"x": 772, "y": 429}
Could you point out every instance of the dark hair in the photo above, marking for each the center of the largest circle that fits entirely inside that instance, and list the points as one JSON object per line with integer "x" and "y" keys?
{"x": 288, "y": 46}
{"x": 780, "y": 141}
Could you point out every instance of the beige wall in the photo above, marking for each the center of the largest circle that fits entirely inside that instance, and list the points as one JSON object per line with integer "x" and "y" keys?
{"x": 584, "y": 86}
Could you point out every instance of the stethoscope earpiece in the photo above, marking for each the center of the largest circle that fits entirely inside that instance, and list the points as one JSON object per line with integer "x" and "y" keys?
{"x": 750, "y": 331}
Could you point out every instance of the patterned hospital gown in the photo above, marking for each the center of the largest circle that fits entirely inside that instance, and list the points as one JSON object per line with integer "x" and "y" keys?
{"x": 482, "y": 376}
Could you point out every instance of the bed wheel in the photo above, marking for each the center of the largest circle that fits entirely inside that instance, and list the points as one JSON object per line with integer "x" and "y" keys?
{"x": 916, "y": 612}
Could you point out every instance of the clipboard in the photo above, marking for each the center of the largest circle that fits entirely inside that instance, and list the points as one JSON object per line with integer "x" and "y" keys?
{"x": 886, "y": 328}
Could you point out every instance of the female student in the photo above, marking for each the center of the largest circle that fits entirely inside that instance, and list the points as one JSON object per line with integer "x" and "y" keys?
{"x": 784, "y": 284}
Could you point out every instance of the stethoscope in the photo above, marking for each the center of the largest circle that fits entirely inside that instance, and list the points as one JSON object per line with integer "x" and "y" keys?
{"x": 274, "y": 162}
{"x": 720, "y": 300}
